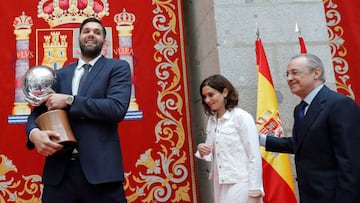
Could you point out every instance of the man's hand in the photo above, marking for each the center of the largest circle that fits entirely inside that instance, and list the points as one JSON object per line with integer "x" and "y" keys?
{"x": 45, "y": 142}
{"x": 56, "y": 101}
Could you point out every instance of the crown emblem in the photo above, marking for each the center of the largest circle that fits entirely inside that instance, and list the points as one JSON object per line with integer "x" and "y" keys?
{"x": 23, "y": 22}
{"x": 124, "y": 22}
{"x": 22, "y": 25}
{"x": 60, "y": 12}
{"x": 124, "y": 18}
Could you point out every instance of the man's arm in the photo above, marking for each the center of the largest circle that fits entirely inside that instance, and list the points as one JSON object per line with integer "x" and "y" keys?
{"x": 277, "y": 144}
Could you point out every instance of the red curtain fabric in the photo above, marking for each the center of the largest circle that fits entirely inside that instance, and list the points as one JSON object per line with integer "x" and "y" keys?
{"x": 156, "y": 135}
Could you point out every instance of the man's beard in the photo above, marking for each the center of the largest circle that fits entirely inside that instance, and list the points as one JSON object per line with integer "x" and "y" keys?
{"x": 90, "y": 52}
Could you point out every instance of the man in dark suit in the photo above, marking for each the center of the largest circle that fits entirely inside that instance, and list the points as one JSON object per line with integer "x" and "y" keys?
{"x": 327, "y": 142}
{"x": 93, "y": 171}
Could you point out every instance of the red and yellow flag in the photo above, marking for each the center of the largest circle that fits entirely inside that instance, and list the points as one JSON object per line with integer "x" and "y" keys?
{"x": 277, "y": 174}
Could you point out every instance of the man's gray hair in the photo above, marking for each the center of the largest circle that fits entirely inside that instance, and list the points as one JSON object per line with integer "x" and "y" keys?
{"x": 313, "y": 62}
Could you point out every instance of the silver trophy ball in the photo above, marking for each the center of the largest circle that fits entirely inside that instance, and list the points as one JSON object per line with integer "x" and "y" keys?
{"x": 37, "y": 82}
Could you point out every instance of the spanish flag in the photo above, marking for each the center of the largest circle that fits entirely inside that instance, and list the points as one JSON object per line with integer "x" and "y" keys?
{"x": 277, "y": 175}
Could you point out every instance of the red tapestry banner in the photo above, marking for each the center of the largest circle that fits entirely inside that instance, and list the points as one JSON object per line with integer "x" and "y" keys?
{"x": 156, "y": 135}
{"x": 343, "y": 24}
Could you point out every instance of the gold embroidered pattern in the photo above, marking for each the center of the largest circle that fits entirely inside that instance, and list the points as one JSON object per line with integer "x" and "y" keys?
{"x": 11, "y": 189}
{"x": 337, "y": 47}
{"x": 165, "y": 177}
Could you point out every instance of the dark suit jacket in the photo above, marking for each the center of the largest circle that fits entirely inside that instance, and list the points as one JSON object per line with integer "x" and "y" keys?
{"x": 327, "y": 150}
{"x": 94, "y": 117}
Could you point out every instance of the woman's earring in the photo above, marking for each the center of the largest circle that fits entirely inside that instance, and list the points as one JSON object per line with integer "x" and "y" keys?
{"x": 225, "y": 101}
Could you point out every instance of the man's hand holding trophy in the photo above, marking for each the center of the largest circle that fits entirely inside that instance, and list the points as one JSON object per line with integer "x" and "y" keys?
{"x": 37, "y": 87}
